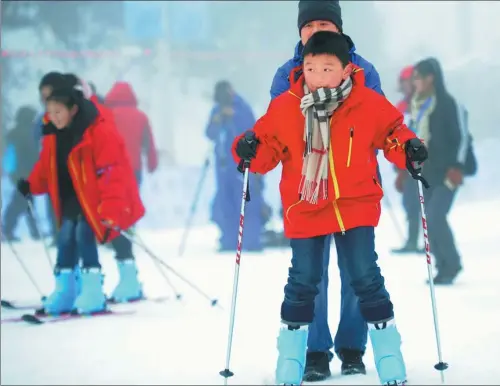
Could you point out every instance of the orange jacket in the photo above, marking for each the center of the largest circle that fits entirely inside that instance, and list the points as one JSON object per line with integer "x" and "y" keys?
{"x": 366, "y": 121}
{"x": 101, "y": 173}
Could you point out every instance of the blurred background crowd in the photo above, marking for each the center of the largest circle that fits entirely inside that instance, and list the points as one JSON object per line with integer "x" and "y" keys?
{"x": 168, "y": 56}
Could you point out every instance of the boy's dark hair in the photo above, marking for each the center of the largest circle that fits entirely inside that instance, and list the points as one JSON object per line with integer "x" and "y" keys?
{"x": 68, "y": 96}
{"x": 328, "y": 43}
{"x": 52, "y": 79}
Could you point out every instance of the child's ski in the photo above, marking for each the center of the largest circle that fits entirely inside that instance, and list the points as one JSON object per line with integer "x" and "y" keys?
{"x": 11, "y": 305}
{"x": 42, "y": 319}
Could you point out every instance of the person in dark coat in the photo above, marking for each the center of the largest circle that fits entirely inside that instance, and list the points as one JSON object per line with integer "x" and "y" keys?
{"x": 24, "y": 154}
{"x": 439, "y": 120}
{"x": 230, "y": 117}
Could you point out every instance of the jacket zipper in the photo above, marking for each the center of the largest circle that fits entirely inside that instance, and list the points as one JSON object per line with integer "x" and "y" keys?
{"x": 335, "y": 188}
{"x": 334, "y": 180}
{"x": 86, "y": 208}
{"x": 351, "y": 137}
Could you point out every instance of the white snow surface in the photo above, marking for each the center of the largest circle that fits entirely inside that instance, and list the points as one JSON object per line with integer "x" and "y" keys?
{"x": 185, "y": 342}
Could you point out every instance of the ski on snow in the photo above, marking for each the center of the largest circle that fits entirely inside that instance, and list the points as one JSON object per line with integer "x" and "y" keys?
{"x": 39, "y": 317}
{"x": 20, "y": 306}
{"x": 42, "y": 319}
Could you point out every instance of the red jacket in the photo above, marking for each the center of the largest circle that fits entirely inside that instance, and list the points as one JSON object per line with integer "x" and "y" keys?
{"x": 366, "y": 121}
{"x": 133, "y": 124}
{"x": 101, "y": 173}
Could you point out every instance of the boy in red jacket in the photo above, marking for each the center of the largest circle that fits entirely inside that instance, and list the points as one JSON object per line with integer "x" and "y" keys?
{"x": 325, "y": 131}
{"x": 84, "y": 167}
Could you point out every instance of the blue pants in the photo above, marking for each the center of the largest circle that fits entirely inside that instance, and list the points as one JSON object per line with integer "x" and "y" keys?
{"x": 123, "y": 248}
{"x": 352, "y": 329}
{"x": 75, "y": 241}
{"x": 356, "y": 250}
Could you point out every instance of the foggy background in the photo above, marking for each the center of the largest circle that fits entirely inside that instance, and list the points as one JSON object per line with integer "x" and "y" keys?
{"x": 173, "y": 52}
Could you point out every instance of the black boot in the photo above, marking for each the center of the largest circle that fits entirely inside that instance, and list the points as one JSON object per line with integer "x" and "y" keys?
{"x": 408, "y": 248}
{"x": 446, "y": 277}
{"x": 352, "y": 361}
{"x": 317, "y": 367}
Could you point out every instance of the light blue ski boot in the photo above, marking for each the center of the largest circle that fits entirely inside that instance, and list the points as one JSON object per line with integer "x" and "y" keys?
{"x": 386, "y": 344}
{"x": 78, "y": 277}
{"x": 91, "y": 298}
{"x": 129, "y": 288}
{"x": 64, "y": 295}
{"x": 292, "y": 350}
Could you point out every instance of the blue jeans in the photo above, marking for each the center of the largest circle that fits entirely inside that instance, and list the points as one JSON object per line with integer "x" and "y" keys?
{"x": 75, "y": 241}
{"x": 123, "y": 248}
{"x": 352, "y": 331}
{"x": 357, "y": 257}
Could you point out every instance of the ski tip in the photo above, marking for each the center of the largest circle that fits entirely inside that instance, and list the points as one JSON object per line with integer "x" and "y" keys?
{"x": 7, "y": 304}
{"x": 32, "y": 319}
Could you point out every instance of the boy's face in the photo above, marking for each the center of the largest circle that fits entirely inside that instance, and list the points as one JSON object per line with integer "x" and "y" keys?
{"x": 324, "y": 71}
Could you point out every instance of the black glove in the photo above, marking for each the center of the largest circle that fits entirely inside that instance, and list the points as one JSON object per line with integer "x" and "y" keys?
{"x": 416, "y": 154}
{"x": 23, "y": 186}
{"x": 246, "y": 147}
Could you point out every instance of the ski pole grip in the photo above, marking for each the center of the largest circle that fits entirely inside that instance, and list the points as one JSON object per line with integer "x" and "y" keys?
{"x": 244, "y": 164}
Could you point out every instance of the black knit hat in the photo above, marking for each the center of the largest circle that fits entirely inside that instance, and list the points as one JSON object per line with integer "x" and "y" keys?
{"x": 310, "y": 10}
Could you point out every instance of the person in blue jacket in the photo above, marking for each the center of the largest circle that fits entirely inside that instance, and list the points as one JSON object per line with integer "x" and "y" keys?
{"x": 230, "y": 117}
{"x": 350, "y": 340}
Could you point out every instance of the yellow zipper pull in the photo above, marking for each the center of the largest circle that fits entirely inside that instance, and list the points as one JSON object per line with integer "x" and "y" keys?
{"x": 351, "y": 135}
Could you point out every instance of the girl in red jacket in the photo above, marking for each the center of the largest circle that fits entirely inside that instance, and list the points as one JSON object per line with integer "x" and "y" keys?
{"x": 84, "y": 168}
{"x": 325, "y": 131}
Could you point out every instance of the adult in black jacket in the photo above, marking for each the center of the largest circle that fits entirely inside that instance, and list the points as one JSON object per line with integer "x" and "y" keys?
{"x": 26, "y": 154}
{"x": 437, "y": 119}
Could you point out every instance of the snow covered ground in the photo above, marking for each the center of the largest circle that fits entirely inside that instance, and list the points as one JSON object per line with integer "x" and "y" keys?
{"x": 184, "y": 342}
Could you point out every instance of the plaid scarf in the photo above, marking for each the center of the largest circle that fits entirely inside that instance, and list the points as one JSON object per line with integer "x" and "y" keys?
{"x": 318, "y": 107}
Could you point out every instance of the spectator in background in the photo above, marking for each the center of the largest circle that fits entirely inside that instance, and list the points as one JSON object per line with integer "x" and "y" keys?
{"x": 404, "y": 183}
{"x": 134, "y": 127}
{"x": 23, "y": 153}
{"x": 230, "y": 117}
{"x": 436, "y": 117}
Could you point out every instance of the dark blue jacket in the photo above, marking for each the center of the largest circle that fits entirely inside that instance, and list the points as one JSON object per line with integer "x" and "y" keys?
{"x": 281, "y": 83}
